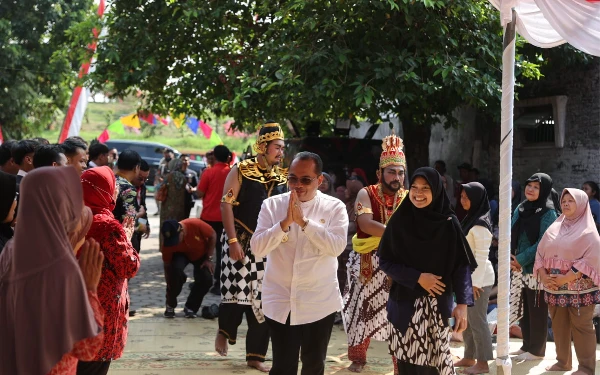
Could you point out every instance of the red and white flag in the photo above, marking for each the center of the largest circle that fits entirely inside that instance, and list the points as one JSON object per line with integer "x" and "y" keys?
{"x": 79, "y": 99}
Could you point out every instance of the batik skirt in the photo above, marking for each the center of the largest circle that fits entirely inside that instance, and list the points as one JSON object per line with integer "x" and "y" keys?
{"x": 426, "y": 342}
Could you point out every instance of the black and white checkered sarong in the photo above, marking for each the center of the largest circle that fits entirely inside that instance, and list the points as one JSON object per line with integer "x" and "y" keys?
{"x": 241, "y": 281}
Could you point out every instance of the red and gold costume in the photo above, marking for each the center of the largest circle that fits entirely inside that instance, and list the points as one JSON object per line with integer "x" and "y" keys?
{"x": 367, "y": 289}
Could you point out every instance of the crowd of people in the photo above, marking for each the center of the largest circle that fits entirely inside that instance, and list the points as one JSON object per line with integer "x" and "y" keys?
{"x": 297, "y": 250}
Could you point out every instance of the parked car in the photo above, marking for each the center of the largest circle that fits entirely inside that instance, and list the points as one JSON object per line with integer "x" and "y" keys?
{"x": 152, "y": 152}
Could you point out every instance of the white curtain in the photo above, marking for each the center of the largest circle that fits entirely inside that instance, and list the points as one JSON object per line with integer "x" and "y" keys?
{"x": 549, "y": 23}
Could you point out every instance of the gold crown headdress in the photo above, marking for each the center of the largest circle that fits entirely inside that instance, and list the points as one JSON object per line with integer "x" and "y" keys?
{"x": 392, "y": 152}
{"x": 269, "y": 132}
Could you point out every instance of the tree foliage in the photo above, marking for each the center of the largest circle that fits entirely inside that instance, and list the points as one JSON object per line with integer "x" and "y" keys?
{"x": 39, "y": 60}
{"x": 308, "y": 60}
{"x": 305, "y": 60}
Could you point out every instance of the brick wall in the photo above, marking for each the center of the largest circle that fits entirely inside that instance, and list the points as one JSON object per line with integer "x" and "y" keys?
{"x": 570, "y": 166}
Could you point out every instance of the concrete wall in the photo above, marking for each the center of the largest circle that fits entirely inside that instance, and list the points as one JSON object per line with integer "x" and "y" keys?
{"x": 454, "y": 145}
{"x": 579, "y": 159}
{"x": 477, "y": 141}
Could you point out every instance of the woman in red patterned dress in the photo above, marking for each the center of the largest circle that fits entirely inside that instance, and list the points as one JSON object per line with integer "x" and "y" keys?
{"x": 39, "y": 273}
{"x": 121, "y": 263}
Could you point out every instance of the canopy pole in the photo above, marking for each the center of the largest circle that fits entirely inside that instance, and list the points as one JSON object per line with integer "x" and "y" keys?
{"x": 505, "y": 194}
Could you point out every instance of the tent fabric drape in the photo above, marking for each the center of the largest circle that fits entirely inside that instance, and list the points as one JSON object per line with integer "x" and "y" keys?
{"x": 546, "y": 24}
{"x": 549, "y": 23}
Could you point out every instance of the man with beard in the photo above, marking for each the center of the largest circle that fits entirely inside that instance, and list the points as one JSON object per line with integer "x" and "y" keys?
{"x": 367, "y": 288}
{"x": 248, "y": 183}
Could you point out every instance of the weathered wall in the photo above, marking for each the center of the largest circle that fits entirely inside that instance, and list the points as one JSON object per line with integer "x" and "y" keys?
{"x": 579, "y": 160}
{"x": 570, "y": 166}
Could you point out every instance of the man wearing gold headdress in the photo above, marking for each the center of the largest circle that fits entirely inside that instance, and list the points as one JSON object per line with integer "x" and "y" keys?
{"x": 249, "y": 183}
{"x": 367, "y": 290}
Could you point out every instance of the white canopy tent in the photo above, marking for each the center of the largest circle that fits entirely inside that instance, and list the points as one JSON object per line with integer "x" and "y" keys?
{"x": 546, "y": 24}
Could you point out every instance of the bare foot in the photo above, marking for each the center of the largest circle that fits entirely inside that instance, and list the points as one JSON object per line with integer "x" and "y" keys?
{"x": 465, "y": 362}
{"x": 221, "y": 345}
{"x": 557, "y": 367}
{"x": 260, "y": 366}
{"x": 356, "y": 367}
{"x": 479, "y": 368}
{"x": 579, "y": 372}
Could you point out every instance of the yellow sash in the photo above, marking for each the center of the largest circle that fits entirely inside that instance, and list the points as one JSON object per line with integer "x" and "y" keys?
{"x": 365, "y": 245}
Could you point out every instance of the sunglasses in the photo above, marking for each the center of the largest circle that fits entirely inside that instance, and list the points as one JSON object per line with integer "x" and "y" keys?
{"x": 303, "y": 180}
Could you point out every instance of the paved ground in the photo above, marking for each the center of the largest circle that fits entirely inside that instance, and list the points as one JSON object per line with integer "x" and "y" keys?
{"x": 180, "y": 346}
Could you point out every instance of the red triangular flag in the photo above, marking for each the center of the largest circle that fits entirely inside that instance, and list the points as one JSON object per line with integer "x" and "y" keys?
{"x": 206, "y": 129}
{"x": 104, "y": 136}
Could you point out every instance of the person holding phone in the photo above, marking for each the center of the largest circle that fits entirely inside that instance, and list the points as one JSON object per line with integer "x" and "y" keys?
{"x": 425, "y": 253}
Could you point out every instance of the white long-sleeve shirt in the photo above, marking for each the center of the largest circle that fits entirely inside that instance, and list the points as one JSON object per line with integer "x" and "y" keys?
{"x": 480, "y": 239}
{"x": 301, "y": 275}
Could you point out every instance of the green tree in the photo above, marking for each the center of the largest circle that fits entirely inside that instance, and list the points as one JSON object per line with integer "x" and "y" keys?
{"x": 39, "y": 60}
{"x": 318, "y": 60}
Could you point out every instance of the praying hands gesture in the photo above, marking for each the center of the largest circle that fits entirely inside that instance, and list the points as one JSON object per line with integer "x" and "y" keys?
{"x": 90, "y": 263}
{"x": 294, "y": 213}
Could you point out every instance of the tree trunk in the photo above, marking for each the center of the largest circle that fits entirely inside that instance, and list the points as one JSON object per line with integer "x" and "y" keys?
{"x": 416, "y": 145}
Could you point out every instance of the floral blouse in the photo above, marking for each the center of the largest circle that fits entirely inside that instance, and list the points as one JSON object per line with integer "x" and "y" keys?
{"x": 84, "y": 350}
{"x": 127, "y": 203}
{"x": 578, "y": 293}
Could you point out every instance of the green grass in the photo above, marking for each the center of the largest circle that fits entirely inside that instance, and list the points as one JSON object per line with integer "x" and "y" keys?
{"x": 99, "y": 115}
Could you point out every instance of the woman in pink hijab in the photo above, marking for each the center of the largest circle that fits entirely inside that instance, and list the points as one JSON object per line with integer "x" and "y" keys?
{"x": 50, "y": 315}
{"x": 568, "y": 265}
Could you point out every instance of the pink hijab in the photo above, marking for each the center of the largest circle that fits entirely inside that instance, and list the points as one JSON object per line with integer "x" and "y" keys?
{"x": 572, "y": 242}
{"x": 44, "y": 309}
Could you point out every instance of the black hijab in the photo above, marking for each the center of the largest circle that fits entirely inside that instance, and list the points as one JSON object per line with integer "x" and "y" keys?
{"x": 8, "y": 191}
{"x": 518, "y": 197}
{"x": 427, "y": 239}
{"x": 530, "y": 213}
{"x": 480, "y": 212}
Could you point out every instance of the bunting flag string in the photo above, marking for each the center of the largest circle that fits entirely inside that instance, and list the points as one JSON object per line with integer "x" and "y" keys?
{"x": 133, "y": 121}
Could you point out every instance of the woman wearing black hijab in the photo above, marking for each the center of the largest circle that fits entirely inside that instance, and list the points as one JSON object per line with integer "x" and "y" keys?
{"x": 477, "y": 227}
{"x": 8, "y": 202}
{"x": 425, "y": 253}
{"x": 530, "y": 221}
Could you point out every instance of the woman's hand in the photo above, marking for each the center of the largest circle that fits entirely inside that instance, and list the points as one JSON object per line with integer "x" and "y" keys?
{"x": 460, "y": 316}
{"x": 514, "y": 264}
{"x": 432, "y": 284}
{"x": 477, "y": 292}
{"x": 90, "y": 263}
{"x": 128, "y": 226}
{"x": 561, "y": 280}
{"x": 548, "y": 280}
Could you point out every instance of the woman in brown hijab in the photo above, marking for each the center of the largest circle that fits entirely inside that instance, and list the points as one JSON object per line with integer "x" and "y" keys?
{"x": 39, "y": 273}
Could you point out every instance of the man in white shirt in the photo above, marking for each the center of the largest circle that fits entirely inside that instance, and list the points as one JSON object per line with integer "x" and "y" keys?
{"x": 99, "y": 155}
{"x": 301, "y": 233}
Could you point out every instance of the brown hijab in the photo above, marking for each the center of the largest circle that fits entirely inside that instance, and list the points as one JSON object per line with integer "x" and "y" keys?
{"x": 44, "y": 309}
{"x": 86, "y": 223}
